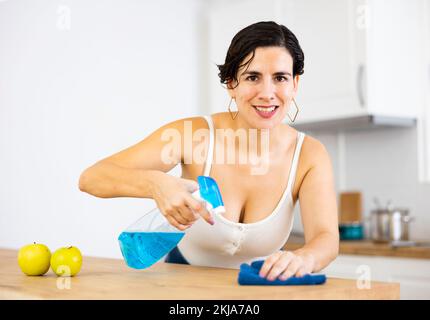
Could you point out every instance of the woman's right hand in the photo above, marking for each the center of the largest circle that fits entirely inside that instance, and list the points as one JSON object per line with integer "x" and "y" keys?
{"x": 174, "y": 199}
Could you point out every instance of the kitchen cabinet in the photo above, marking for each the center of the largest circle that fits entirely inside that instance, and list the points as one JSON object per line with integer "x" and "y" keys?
{"x": 409, "y": 266}
{"x": 423, "y": 128}
{"x": 412, "y": 274}
{"x": 334, "y": 82}
{"x": 362, "y": 57}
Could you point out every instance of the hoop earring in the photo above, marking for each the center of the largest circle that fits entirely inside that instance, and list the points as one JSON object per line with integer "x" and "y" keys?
{"x": 229, "y": 110}
{"x": 297, "y": 112}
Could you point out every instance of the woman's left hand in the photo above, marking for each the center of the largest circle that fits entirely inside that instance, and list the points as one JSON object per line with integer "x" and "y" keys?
{"x": 284, "y": 264}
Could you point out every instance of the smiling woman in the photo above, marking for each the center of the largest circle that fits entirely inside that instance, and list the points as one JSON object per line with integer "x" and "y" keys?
{"x": 261, "y": 71}
{"x": 273, "y": 50}
{"x": 268, "y": 71}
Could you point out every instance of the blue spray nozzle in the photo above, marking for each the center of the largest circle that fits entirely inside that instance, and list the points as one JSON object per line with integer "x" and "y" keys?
{"x": 209, "y": 191}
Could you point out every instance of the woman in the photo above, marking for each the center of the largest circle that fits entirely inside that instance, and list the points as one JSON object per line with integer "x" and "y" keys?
{"x": 261, "y": 71}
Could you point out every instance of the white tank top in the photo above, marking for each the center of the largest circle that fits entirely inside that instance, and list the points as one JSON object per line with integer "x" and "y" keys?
{"x": 228, "y": 244}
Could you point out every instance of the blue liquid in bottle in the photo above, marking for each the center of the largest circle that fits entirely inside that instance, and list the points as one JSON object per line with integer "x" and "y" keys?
{"x": 142, "y": 249}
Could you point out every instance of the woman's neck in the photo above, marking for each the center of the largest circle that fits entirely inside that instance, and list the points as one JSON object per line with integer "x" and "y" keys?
{"x": 275, "y": 136}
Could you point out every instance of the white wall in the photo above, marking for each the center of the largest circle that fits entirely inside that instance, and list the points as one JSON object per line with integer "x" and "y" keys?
{"x": 384, "y": 164}
{"x": 80, "y": 80}
{"x": 381, "y": 163}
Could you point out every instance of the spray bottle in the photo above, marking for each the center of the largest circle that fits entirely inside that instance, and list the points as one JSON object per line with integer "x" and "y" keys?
{"x": 152, "y": 237}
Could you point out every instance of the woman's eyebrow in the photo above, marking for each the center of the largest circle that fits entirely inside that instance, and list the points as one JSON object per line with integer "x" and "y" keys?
{"x": 256, "y": 73}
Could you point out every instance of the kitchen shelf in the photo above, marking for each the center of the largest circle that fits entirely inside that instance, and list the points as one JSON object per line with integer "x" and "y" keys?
{"x": 421, "y": 249}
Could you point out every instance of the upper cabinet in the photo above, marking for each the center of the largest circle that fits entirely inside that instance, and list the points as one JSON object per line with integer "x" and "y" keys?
{"x": 423, "y": 128}
{"x": 362, "y": 57}
{"x": 334, "y": 83}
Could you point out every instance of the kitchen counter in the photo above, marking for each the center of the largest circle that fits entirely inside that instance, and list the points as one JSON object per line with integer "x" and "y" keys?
{"x": 102, "y": 278}
{"x": 369, "y": 248}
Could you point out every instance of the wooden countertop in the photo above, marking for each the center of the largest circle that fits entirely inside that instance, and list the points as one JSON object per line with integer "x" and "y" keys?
{"x": 102, "y": 278}
{"x": 369, "y": 248}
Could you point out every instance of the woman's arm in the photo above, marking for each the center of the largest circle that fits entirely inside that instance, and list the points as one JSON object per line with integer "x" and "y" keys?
{"x": 108, "y": 180}
{"x": 133, "y": 171}
{"x": 318, "y": 209}
{"x": 140, "y": 171}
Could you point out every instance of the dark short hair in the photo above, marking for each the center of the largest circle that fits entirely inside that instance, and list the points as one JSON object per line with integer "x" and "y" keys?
{"x": 260, "y": 34}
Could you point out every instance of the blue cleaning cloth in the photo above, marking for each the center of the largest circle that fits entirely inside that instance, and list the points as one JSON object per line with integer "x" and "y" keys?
{"x": 249, "y": 275}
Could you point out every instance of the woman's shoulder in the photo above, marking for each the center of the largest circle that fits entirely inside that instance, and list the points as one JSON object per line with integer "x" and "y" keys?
{"x": 313, "y": 145}
{"x": 188, "y": 123}
{"x": 220, "y": 120}
{"x": 313, "y": 153}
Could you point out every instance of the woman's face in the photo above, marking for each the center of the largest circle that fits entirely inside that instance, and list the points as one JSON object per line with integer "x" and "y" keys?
{"x": 266, "y": 87}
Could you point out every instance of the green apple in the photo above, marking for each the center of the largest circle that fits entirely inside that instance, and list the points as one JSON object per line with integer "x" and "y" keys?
{"x": 66, "y": 262}
{"x": 34, "y": 259}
